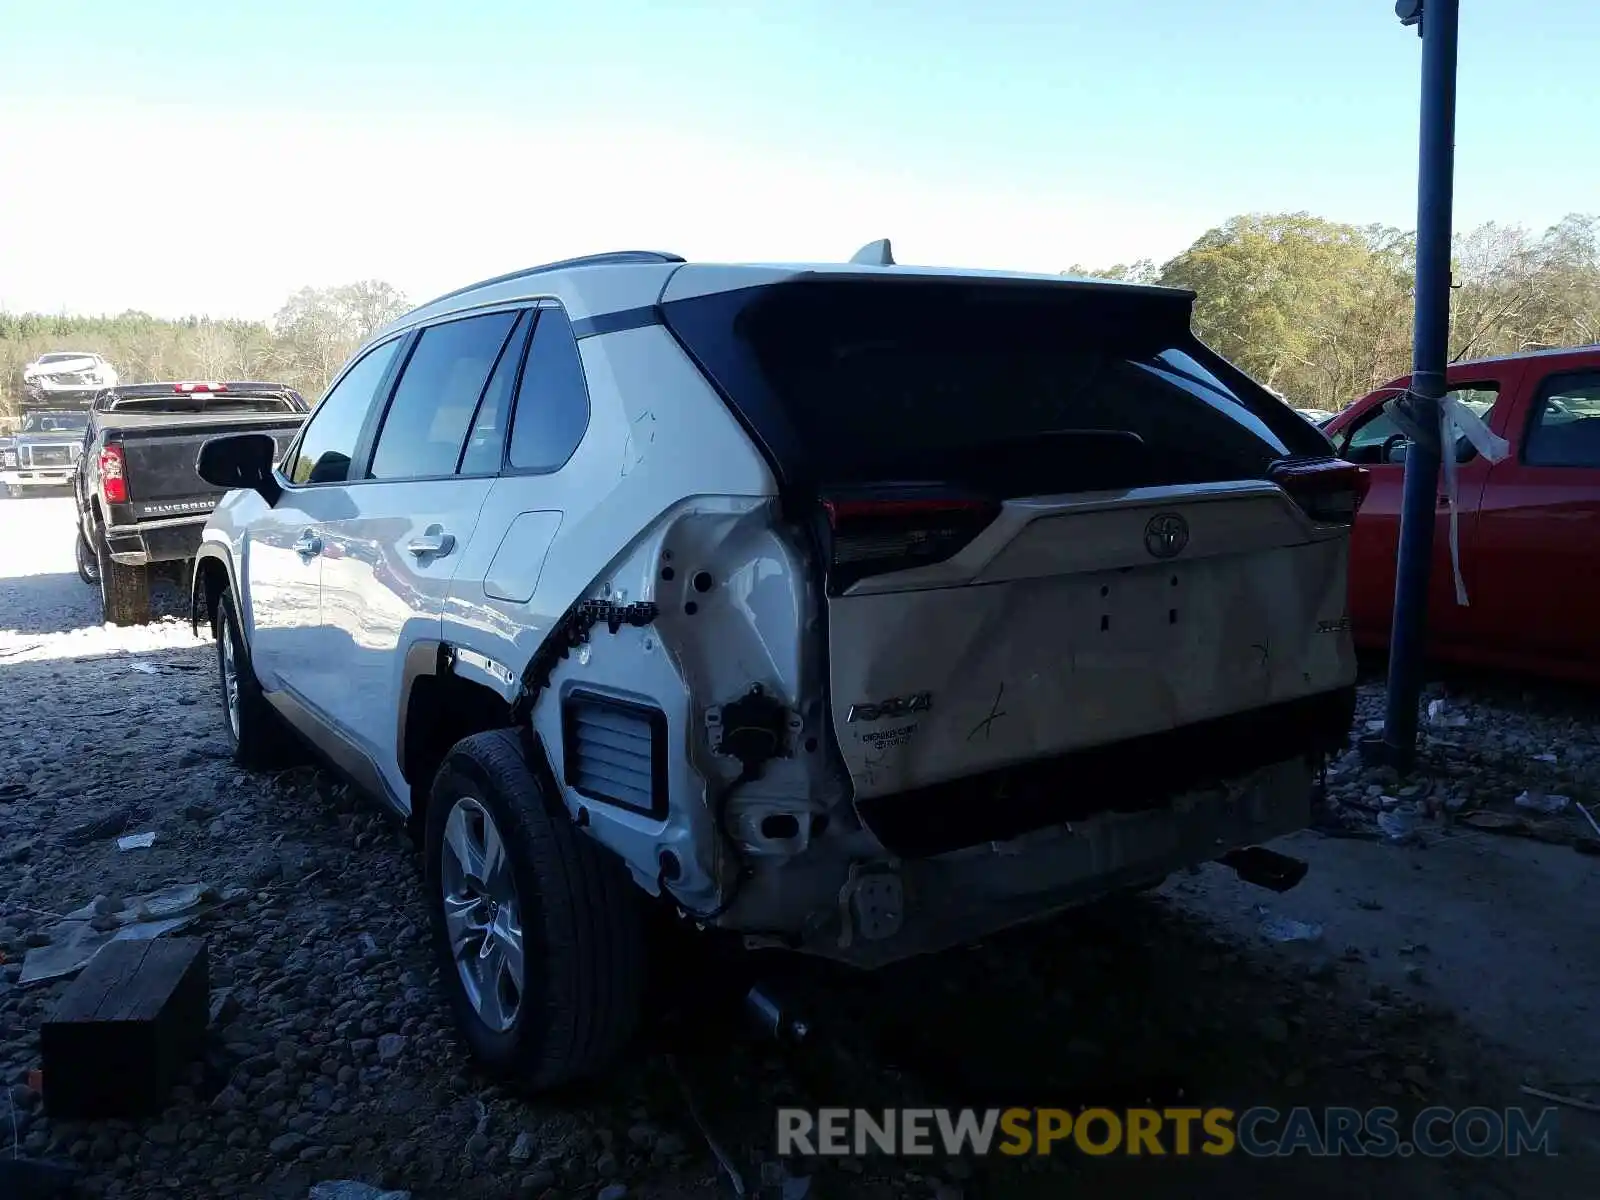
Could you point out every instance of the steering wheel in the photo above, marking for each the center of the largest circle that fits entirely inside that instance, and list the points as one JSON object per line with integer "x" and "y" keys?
{"x": 1389, "y": 444}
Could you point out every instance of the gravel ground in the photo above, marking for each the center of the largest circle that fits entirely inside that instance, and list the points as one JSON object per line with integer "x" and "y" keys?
{"x": 332, "y": 1057}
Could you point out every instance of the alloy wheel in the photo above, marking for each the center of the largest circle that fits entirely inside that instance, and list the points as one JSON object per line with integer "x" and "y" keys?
{"x": 482, "y": 916}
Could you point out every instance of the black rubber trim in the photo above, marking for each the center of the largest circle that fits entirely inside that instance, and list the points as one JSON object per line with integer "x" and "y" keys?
{"x": 1139, "y": 774}
{"x": 617, "y": 322}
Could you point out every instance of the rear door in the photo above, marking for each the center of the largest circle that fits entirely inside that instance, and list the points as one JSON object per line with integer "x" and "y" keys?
{"x": 389, "y": 558}
{"x": 1539, "y": 532}
{"x": 1050, "y": 518}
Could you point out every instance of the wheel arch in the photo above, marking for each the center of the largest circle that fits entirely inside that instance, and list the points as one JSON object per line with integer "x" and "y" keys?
{"x": 439, "y": 706}
{"x": 213, "y": 572}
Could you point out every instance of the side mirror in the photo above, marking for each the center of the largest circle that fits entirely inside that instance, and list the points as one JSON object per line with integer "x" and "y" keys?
{"x": 241, "y": 460}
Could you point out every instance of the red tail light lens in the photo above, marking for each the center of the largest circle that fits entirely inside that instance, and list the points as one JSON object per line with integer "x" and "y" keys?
{"x": 873, "y": 535}
{"x": 1329, "y": 490}
{"x": 112, "y": 483}
{"x": 199, "y": 387}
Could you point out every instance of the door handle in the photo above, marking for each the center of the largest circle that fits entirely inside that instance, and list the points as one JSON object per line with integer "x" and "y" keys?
{"x": 433, "y": 541}
{"x": 308, "y": 546}
{"x": 1444, "y": 501}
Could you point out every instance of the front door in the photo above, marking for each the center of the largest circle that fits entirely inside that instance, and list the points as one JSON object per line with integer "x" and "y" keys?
{"x": 1374, "y": 441}
{"x": 284, "y": 551}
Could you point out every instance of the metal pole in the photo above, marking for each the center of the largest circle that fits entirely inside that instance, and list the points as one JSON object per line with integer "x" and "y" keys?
{"x": 1419, "y": 409}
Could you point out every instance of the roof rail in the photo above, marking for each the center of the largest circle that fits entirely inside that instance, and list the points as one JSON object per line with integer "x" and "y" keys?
{"x": 609, "y": 259}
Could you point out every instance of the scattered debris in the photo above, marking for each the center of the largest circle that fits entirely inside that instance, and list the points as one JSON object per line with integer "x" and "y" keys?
{"x": 106, "y": 825}
{"x": 1282, "y": 929}
{"x": 137, "y": 841}
{"x": 77, "y": 937}
{"x": 1496, "y": 822}
{"x": 521, "y": 1149}
{"x": 349, "y": 1189}
{"x": 735, "y": 1179}
{"x": 1542, "y": 802}
{"x": 1440, "y": 716}
{"x": 126, "y": 1031}
{"x": 781, "y": 1184}
{"x": 1399, "y": 824}
{"x": 1558, "y": 1098}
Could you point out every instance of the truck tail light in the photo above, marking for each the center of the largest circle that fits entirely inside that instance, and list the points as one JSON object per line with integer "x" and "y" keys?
{"x": 113, "y": 485}
{"x": 1329, "y": 491}
{"x": 875, "y": 534}
{"x": 187, "y": 388}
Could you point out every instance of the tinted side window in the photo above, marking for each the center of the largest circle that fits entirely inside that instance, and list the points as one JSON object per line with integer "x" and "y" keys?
{"x": 1363, "y": 441}
{"x": 552, "y": 409}
{"x": 486, "y": 443}
{"x": 438, "y": 392}
{"x": 1565, "y": 429}
{"x": 334, "y": 427}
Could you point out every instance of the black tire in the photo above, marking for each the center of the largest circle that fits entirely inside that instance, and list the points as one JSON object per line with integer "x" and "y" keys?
{"x": 124, "y": 591}
{"x": 260, "y": 741}
{"x": 88, "y": 561}
{"x": 582, "y": 928}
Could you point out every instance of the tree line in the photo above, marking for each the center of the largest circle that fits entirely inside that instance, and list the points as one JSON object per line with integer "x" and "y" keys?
{"x": 1321, "y": 311}
{"x": 310, "y": 336}
{"x": 1317, "y": 310}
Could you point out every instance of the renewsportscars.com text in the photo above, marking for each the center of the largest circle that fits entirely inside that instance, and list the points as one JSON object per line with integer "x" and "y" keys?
{"x": 1259, "y": 1132}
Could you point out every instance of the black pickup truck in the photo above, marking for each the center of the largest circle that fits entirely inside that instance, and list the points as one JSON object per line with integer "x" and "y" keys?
{"x": 141, "y": 505}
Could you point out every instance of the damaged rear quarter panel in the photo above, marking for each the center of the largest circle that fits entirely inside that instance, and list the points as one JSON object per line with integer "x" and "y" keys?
{"x": 664, "y": 489}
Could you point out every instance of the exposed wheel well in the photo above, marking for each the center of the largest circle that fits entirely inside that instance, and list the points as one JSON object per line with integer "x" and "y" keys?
{"x": 441, "y": 710}
{"x": 211, "y": 577}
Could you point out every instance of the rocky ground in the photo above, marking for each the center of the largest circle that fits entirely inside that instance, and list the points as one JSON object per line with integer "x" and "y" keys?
{"x": 1431, "y": 961}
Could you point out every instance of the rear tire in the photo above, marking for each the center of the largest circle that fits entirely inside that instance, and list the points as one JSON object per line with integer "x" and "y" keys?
{"x": 574, "y": 1005}
{"x": 124, "y": 591}
{"x": 257, "y": 734}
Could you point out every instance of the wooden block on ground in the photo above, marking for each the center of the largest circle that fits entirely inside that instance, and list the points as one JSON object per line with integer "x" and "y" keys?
{"x": 125, "y": 1031}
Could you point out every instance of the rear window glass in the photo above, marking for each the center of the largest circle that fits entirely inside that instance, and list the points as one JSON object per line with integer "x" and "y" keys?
{"x": 1017, "y": 389}
{"x": 208, "y": 404}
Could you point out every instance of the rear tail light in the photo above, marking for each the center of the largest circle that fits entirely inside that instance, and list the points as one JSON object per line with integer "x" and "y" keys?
{"x": 1329, "y": 491}
{"x": 112, "y": 482}
{"x": 199, "y": 387}
{"x": 873, "y": 535}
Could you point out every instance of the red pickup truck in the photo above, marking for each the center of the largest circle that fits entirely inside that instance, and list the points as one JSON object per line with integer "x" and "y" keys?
{"x": 1528, "y": 526}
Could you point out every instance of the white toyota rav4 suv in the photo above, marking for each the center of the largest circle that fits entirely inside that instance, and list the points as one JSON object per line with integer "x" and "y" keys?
{"x": 859, "y": 609}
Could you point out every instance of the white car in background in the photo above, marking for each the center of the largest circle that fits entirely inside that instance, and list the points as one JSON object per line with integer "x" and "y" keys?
{"x": 64, "y": 374}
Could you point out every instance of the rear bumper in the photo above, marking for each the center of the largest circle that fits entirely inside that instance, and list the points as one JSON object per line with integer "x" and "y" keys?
{"x": 38, "y": 477}
{"x": 156, "y": 541}
{"x": 871, "y": 914}
{"x": 1137, "y": 775}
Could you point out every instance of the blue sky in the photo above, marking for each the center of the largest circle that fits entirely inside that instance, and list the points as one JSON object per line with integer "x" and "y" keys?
{"x": 265, "y": 146}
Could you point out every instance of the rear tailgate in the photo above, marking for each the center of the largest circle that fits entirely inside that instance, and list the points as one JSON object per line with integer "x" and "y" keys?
{"x": 159, "y": 459}
{"x": 1080, "y": 620}
{"x": 1049, "y": 518}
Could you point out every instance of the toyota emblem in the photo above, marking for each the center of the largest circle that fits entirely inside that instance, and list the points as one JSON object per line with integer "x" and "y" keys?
{"x": 1165, "y": 535}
